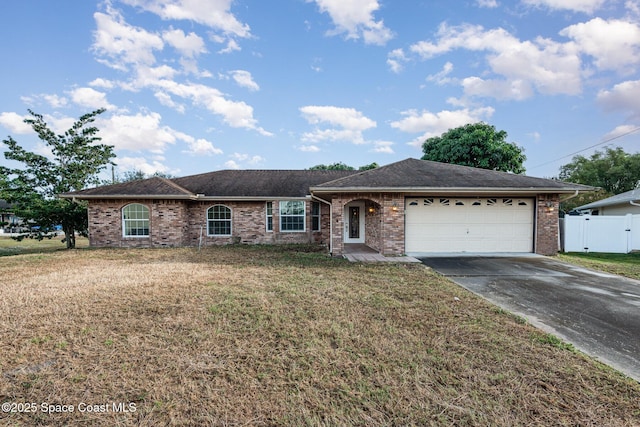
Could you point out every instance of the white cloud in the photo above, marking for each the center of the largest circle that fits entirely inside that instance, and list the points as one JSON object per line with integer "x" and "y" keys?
{"x": 490, "y": 4}
{"x": 121, "y": 44}
{"x": 620, "y": 131}
{"x": 346, "y": 124}
{"x": 614, "y": 44}
{"x": 441, "y": 78}
{"x": 383, "y": 147}
{"x": 246, "y": 159}
{"x": 586, "y": 6}
{"x": 244, "y": 79}
{"x": 355, "y": 18}
{"x": 435, "y": 124}
{"x": 201, "y": 147}
{"x": 624, "y": 96}
{"x": 91, "y": 98}
{"x": 140, "y": 132}
{"x": 543, "y": 64}
{"x": 141, "y": 164}
{"x": 190, "y": 45}
{"x": 396, "y": 59}
{"x": 15, "y": 123}
{"x": 309, "y": 148}
{"x": 103, "y": 83}
{"x": 215, "y": 14}
{"x": 166, "y": 100}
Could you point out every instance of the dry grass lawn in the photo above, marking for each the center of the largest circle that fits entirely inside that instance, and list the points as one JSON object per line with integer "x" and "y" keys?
{"x": 278, "y": 336}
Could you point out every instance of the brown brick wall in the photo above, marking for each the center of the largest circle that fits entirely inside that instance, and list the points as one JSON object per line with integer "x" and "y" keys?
{"x": 547, "y": 224}
{"x": 182, "y": 223}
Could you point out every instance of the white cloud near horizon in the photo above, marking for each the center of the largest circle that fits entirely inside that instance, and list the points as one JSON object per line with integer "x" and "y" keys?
{"x": 429, "y": 124}
{"x": 585, "y": 6}
{"x": 342, "y": 124}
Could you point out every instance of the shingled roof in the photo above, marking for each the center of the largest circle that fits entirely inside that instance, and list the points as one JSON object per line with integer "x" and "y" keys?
{"x": 423, "y": 175}
{"x": 224, "y": 184}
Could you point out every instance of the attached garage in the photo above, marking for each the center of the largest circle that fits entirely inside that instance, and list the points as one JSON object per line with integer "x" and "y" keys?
{"x": 483, "y": 225}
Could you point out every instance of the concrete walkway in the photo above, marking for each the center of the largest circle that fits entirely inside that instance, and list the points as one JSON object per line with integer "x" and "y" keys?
{"x": 363, "y": 253}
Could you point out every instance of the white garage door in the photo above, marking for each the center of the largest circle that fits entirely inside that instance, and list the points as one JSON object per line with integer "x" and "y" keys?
{"x": 442, "y": 224}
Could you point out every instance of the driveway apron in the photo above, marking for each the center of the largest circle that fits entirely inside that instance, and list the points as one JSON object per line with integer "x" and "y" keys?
{"x": 596, "y": 312}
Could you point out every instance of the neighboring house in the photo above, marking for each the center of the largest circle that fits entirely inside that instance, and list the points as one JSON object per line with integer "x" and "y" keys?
{"x": 621, "y": 204}
{"x": 411, "y": 206}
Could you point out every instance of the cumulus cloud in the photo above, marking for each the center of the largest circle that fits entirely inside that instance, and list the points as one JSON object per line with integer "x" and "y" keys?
{"x": 624, "y": 96}
{"x": 356, "y": 19}
{"x": 148, "y": 167}
{"x": 214, "y": 14}
{"x": 244, "y": 79}
{"x": 309, "y": 148}
{"x": 90, "y": 98}
{"x": 189, "y": 45}
{"x": 120, "y": 45}
{"x": 430, "y": 124}
{"x": 344, "y": 124}
{"x": 396, "y": 59}
{"x": 15, "y": 123}
{"x": 614, "y": 44}
{"x": 547, "y": 66}
{"x": 139, "y": 132}
{"x": 383, "y": 147}
{"x": 237, "y": 160}
{"x": 490, "y": 4}
{"x": 585, "y": 6}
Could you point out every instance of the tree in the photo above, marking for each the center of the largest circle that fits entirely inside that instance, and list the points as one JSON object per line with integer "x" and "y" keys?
{"x": 334, "y": 167}
{"x": 612, "y": 170}
{"x": 339, "y": 166}
{"x": 75, "y": 162}
{"x": 478, "y": 145}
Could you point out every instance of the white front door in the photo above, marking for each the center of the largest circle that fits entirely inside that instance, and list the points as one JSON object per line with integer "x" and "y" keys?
{"x": 354, "y": 222}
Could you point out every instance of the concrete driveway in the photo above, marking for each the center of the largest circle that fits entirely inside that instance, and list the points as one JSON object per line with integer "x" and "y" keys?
{"x": 598, "y": 313}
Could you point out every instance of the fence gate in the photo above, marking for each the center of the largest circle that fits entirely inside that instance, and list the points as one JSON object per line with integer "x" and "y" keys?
{"x": 614, "y": 234}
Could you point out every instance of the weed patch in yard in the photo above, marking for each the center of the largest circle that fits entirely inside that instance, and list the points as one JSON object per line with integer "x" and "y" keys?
{"x": 246, "y": 335}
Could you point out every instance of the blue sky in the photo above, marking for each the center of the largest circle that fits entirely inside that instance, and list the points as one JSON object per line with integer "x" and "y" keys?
{"x": 192, "y": 86}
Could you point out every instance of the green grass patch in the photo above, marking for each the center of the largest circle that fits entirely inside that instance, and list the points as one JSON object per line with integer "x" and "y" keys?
{"x": 627, "y": 265}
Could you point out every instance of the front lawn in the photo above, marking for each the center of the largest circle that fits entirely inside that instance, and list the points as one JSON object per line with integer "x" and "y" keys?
{"x": 248, "y": 335}
{"x": 627, "y": 265}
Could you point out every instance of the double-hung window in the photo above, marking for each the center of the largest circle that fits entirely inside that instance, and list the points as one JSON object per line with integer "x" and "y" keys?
{"x": 219, "y": 221}
{"x": 292, "y": 215}
{"x": 135, "y": 220}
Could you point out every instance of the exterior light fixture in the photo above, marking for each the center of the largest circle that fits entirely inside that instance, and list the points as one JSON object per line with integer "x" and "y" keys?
{"x": 394, "y": 206}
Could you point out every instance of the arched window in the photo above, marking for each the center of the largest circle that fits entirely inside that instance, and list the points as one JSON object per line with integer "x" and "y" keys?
{"x": 219, "y": 221}
{"x": 135, "y": 220}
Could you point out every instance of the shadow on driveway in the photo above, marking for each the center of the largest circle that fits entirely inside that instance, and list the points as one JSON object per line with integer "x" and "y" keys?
{"x": 598, "y": 313}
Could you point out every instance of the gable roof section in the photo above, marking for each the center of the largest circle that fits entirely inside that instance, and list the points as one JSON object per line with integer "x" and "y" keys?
{"x": 618, "y": 199}
{"x": 424, "y": 175}
{"x": 155, "y": 187}
{"x": 224, "y": 184}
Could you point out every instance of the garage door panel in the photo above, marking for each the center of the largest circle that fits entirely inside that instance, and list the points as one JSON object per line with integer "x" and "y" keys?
{"x": 440, "y": 224}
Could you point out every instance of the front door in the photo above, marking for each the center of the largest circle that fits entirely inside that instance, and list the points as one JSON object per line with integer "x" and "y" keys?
{"x": 354, "y": 223}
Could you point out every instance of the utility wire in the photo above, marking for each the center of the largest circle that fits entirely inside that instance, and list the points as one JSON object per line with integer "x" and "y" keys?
{"x": 588, "y": 148}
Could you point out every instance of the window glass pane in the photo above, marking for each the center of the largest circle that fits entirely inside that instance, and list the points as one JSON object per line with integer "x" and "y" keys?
{"x": 292, "y": 215}
{"x": 219, "y": 221}
{"x": 135, "y": 220}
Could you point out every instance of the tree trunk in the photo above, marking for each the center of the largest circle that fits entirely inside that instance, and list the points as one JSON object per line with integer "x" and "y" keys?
{"x": 70, "y": 237}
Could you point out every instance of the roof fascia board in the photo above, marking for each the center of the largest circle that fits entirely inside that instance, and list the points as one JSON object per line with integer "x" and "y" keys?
{"x": 196, "y": 197}
{"x": 442, "y": 190}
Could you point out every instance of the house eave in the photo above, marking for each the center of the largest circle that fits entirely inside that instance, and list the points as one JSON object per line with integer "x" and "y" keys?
{"x": 196, "y": 197}
{"x": 445, "y": 190}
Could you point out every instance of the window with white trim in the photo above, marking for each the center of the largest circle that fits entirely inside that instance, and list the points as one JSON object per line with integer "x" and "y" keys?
{"x": 269, "y": 209}
{"x": 219, "y": 221}
{"x": 292, "y": 215}
{"x": 135, "y": 220}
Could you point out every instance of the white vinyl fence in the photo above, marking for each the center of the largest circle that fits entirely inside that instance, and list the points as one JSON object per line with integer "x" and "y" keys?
{"x": 615, "y": 234}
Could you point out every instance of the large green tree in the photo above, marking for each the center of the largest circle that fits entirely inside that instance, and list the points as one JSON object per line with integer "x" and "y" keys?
{"x": 343, "y": 167}
{"x": 478, "y": 145}
{"x": 613, "y": 170}
{"x": 76, "y": 159}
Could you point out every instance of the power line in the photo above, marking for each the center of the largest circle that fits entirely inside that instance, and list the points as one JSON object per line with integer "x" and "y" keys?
{"x": 588, "y": 148}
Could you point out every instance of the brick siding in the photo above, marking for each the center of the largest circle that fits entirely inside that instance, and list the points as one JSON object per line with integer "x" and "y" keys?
{"x": 547, "y": 224}
{"x": 184, "y": 223}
